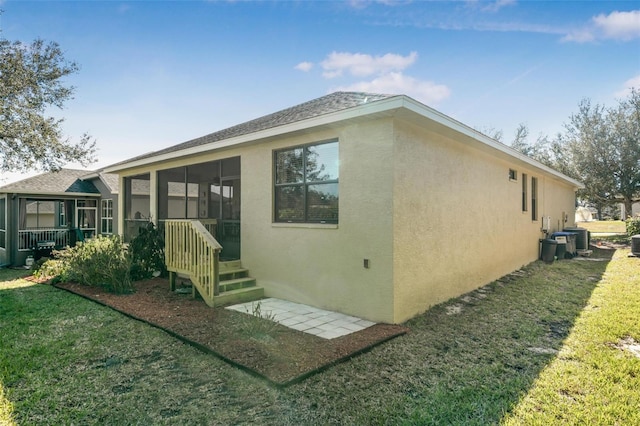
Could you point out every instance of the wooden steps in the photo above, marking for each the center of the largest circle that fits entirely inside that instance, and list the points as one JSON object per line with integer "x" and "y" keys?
{"x": 235, "y": 285}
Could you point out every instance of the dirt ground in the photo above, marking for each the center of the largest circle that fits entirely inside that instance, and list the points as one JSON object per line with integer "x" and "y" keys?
{"x": 277, "y": 353}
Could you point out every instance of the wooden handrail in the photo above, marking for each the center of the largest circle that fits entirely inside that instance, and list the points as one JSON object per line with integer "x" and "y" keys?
{"x": 191, "y": 250}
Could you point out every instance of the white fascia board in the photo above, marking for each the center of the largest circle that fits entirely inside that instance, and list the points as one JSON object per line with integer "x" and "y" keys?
{"x": 90, "y": 175}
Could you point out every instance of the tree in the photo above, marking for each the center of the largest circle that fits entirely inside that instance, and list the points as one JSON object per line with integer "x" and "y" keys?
{"x": 541, "y": 150}
{"x": 520, "y": 142}
{"x": 31, "y": 82}
{"x": 602, "y": 149}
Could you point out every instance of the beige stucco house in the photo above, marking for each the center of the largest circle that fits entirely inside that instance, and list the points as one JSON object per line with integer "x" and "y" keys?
{"x": 372, "y": 205}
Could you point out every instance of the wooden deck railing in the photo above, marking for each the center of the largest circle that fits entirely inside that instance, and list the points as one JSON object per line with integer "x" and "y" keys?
{"x": 191, "y": 250}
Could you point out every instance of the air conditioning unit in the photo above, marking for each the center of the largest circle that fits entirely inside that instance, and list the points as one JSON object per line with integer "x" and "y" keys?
{"x": 582, "y": 240}
{"x": 635, "y": 245}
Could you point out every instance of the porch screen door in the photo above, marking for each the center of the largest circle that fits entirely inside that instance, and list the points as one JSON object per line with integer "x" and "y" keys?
{"x": 86, "y": 213}
{"x": 228, "y": 232}
{"x": 229, "y": 226}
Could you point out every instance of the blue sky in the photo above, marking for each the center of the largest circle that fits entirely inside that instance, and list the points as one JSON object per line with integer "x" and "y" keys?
{"x": 157, "y": 73}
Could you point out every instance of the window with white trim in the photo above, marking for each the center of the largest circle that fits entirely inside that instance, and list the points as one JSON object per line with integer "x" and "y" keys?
{"x": 106, "y": 216}
{"x": 306, "y": 183}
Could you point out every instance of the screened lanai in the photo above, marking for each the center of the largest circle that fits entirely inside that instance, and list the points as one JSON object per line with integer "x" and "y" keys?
{"x": 208, "y": 192}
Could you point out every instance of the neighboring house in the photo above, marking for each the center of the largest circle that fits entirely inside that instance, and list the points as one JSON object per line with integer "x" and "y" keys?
{"x": 372, "y": 205}
{"x": 54, "y": 210}
{"x": 635, "y": 210}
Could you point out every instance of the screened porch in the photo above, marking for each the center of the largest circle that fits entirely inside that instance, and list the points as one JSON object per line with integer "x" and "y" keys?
{"x": 208, "y": 192}
{"x": 47, "y": 223}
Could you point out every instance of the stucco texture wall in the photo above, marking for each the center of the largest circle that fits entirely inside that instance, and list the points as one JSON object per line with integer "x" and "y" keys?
{"x": 317, "y": 264}
{"x": 458, "y": 220}
{"x": 323, "y": 265}
{"x": 434, "y": 216}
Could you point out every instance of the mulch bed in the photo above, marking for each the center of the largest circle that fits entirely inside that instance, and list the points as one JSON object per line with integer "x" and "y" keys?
{"x": 276, "y": 353}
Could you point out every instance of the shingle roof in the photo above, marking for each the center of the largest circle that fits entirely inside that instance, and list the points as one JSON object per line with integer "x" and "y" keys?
{"x": 328, "y": 104}
{"x": 62, "y": 181}
{"x": 112, "y": 181}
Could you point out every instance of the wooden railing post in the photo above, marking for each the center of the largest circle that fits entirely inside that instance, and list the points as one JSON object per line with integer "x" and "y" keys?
{"x": 191, "y": 250}
{"x": 216, "y": 274}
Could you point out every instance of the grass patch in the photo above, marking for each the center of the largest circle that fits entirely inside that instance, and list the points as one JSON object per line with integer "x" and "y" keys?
{"x": 604, "y": 226}
{"x": 595, "y": 378}
{"x": 483, "y": 358}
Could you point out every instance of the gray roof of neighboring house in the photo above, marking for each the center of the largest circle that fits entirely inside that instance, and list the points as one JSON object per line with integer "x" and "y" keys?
{"x": 112, "y": 181}
{"x": 59, "y": 182}
{"x": 328, "y": 104}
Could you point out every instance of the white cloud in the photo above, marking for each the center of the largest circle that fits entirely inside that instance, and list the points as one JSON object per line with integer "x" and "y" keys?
{"x": 361, "y": 4}
{"x": 632, "y": 83}
{"x": 304, "y": 66}
{"x": 491, "y": 6}
{"x": 623, "y": 26}
{"x": 580, "y": 36}
{"x": 398, "y": 83}
{"x": 619, "y": 25}
{"x": 362, "y": 65}
{"x": 386, "y": 72}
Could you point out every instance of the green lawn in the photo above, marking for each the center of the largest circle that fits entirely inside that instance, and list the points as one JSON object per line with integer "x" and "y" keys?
{"x": 604, "y": 226}
{"x": 550, "y": 344}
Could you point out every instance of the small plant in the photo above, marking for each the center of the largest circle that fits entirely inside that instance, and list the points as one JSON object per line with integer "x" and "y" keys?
{"x": 147, "y": 253}
{"x": 256, "y": 311}
{"x": 259, "y": 325}
{"x": 633, "y": 226}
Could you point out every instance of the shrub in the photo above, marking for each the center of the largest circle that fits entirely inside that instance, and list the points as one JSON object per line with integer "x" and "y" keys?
{"x": 53, "y": 269}
{"x": 633, "y": 226}
{"x": 101, "y": 262}
{"x": 147, "y": 253}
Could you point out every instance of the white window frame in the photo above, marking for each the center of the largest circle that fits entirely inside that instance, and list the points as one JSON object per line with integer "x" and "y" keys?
{"x": 106, "y": 216}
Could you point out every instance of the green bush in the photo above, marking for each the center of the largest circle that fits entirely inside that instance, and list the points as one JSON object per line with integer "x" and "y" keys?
{"x": 100, "y": 262}
{"x": 633, "y": 226}
{"x": 53, "y": 269}
{"x": 147, "y": 253}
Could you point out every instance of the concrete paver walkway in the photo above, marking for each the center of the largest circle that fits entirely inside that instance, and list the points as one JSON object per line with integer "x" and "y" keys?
{"x": 319, "y": 322}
